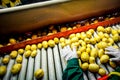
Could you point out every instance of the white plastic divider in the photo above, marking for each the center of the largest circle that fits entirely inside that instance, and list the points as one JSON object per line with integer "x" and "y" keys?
{"x": 119, "y": 44}
{"x": 85, "y": 76}
{"x": 14, "y": 77}
{"x": 1, "y": 60}
{"x": 58, "y": 66}
{"x": 110, "y": 69}
{"x": 8, "y": 73}
{"x": 44, "y": 64}
{"x": 64, "y": 63}
{"x": 29, "y": 75}
{"x": 102, "y": 66}
{"x": 91, "y": 76}
{"x": 51, "y": 65}
{"x": 37, "y": 61}
{"x": 118, "y": 26}
{"x": 23, "y": 71}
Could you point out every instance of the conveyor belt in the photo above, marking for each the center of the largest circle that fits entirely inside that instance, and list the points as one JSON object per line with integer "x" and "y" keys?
{"x": 53, "y": 64}
{"x": 22, "y": 44}
{"x": 48, "y": 59}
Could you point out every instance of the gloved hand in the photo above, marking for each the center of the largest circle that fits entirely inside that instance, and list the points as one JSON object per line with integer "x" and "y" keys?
{"x": 114, "y": 52}
{"x": 69, "y": 53}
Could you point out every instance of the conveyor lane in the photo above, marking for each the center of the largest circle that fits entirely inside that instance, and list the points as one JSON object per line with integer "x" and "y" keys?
{"x": 57, "y": 61}
{"x": 44, "y": 64}
{"x": 22, "y": 74}
{"x": 62, "y": 60}
{"x": 9, "y": 66}
{"x": 37, "y": 61}
{"x": 51, "y": 66}
{"x": 29, "y": 75}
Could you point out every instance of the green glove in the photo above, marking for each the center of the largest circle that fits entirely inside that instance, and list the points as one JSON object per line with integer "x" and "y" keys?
{"x": 115, "y": 77}
{"x": 73, "y": 71}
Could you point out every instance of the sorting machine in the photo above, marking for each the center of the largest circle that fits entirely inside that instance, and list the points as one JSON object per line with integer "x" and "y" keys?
{"x": 50, "y": 59}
